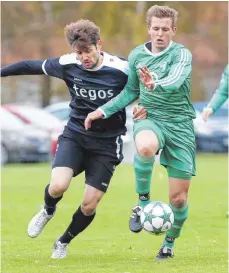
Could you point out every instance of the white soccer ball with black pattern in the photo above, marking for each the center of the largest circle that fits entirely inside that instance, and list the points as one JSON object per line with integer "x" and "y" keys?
{"x": 157, "y": 218}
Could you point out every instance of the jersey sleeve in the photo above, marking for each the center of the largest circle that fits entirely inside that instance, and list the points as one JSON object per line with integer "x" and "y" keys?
{"x": 28, "y": 67}
{"x": 180, "y": 70}
{"x": 221, "y": 94}
{"x": 52, "y": 67}
{"x": 129, "y": 94}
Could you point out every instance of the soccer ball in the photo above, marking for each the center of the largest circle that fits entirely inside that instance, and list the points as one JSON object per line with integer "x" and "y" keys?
{"x": 157, "y": 218}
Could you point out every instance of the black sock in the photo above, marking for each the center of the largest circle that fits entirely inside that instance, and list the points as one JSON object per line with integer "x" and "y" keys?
{"x": 170, "y": 240}
{"x": 144, "y": 197}
{"x": 50, "y": 202}
{"x": 79, "y": 223}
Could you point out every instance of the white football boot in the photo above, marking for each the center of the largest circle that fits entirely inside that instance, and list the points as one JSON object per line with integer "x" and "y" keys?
{"x": 59, "y": 250}
{"x": 38, "y": 223}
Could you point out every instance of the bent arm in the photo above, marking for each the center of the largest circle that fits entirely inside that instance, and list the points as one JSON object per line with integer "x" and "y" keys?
{"x": 179, "y": 72}
{"x": 129, "y": 94}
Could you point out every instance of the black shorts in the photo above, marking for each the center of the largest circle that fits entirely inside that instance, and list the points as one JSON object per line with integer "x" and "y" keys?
{"x": 98, "y": 157}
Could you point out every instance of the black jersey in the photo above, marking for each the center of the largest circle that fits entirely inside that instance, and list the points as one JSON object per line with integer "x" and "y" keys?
{"x": 89, "y": 88}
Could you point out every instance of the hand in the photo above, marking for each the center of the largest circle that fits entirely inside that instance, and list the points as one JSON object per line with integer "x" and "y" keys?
{"x": 139, "y": 112}
{"x": 206, "y": 113}
{"x": 146, "y": 78}
{"x": 97, "y": 114}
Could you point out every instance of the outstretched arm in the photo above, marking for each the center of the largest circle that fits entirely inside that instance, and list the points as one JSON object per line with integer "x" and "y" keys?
{"x": 28, "y": 67}
{"x": 126, "y": 97}
{"x": 51, "y": 67}
{"x": 111, "y": 107}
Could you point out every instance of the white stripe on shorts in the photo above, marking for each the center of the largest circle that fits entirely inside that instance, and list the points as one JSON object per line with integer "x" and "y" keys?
{"x": 118, "y": 149}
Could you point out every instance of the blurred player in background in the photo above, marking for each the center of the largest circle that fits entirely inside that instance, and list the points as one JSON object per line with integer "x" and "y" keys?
{"x": 218, "y": 99}
{"x": 160, "y": 73}
{"x": 93, "y": 77}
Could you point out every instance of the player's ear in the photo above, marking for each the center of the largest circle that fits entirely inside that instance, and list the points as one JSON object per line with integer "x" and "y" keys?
{"x": 99, "y": 44}
{"x": 174, "y": 30}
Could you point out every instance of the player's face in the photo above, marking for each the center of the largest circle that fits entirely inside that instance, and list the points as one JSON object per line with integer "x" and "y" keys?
{"x": 161, "y": 33}
{"x": 90, "y": 57}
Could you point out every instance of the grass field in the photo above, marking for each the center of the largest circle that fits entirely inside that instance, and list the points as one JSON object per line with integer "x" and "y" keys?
{"x": 108, "y": 246}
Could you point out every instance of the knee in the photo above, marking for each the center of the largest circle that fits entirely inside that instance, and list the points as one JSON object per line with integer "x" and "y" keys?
{"x": 57, "y": 189}
{"x": 147, "y": 143}
{"x": 60, "y": 180}
{"x": 146, "y": 150}
{"x": 89, "y": 207}
{"x": 178, "y": 200}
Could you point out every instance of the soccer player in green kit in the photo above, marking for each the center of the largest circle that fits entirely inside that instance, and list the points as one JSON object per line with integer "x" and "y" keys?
{"x": 220, "y": 96}
{"x": 159, "y": 76}
{"x": 218, "y": 99}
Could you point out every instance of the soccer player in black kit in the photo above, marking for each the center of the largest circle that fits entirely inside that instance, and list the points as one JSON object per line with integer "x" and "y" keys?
{"x": 93, "y": 77}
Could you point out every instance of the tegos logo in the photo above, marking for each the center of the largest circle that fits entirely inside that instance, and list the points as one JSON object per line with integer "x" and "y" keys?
{"x": 93, "y": 94}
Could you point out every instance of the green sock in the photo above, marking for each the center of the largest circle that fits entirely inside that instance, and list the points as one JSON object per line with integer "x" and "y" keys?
{"x": 180, "y": 215}
{"x": 143, "y": 172}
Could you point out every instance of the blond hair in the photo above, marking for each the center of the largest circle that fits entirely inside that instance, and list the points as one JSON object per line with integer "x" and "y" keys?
{"x": 161, "y": 12}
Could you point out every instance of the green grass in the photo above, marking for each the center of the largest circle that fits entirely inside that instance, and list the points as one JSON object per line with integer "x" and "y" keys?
{"x": 108, "y": 246}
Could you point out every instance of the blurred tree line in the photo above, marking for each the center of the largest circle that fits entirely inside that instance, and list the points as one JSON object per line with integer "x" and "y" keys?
{"x": 35, "y": 30}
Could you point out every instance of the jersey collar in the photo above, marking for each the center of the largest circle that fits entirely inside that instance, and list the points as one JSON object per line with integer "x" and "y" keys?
{"x": 159, "y": 53}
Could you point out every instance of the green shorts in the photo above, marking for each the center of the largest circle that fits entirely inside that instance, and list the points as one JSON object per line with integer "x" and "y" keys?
{"x": 177, "y": 141}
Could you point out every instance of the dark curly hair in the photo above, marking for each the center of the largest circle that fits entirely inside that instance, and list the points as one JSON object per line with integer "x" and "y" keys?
{"x": 82, "y": 34}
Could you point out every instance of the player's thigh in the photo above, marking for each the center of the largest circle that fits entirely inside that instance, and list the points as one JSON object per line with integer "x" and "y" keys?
{"x": 70, "y": 154}
{"x": 92, "y": 195}
{"x": 91, "y": 198}
{"x": 180, "y": 149}
{"x": 99, "y": 171}
{"x": 148, "y": 134}
{"x": 102, "y": 161}
{"x": 60, "y": 179}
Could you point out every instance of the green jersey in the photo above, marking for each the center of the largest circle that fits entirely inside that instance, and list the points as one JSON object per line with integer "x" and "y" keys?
{"x": 221, "y": 94}
{"x": 171, "y": 70}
